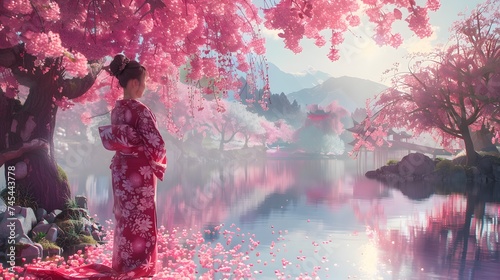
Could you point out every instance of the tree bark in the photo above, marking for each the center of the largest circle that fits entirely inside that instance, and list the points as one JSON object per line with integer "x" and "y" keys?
{"x": 471, "y": 153}
{"x": 27, "y": 129}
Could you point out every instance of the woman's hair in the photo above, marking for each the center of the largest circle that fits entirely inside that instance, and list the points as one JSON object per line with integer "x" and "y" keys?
{"x": 125, "y": 69}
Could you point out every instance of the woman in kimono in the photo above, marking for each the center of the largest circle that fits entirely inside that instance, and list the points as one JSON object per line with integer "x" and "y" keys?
{"x": 139, "y": 160}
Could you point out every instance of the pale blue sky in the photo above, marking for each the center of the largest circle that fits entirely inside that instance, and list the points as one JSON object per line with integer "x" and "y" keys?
{"x": 361, "y": 57}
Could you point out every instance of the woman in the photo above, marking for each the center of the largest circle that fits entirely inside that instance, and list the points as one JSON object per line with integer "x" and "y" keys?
{"x": 140, "y": 158}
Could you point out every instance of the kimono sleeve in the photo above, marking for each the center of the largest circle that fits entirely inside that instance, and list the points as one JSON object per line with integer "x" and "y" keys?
{"x": 120, "y": 137}
{"x": 154, "y": 146}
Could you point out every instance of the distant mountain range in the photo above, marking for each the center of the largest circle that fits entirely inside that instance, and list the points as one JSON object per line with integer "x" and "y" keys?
{"x": 350, "y": 93}
{"x": 281, "y": 81}
{"x": 316, "y": 87}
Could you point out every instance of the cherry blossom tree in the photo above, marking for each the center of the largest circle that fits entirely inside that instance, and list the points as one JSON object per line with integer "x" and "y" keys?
{"x": 57, "y": 49}
{"x": 233, "y": 120}
{"x": 321, "y": 130}
{"x": 448, "y": 92}
{"x": 279, "y": 130}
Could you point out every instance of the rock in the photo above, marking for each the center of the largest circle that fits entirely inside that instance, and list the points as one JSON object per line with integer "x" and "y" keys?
{"x": 72, "y": 214}
{"x": 415, "y": 164}
{"x": 372, "y": 174}
{"x": 29, "y": 217}
{"x": 97, "y": 236}
{"x": 81, "y": 201}
{"x": 43, "y": 222}
{"x": 16, "y": 209}
{"x": 41, "y": 228}
{"x": 496, "y": 173}
{"x": 3, "y": 208}
{"x": 50, "y": 217}
{"x": 29, "y": 252}
{"x": 23, "y": 239}
{"x": 52, "y": 252}
{"x": 393, "y": 168}
{"x": 11, "y": 227}
{"x": 40, "y": 213}
{"x": 52, "y": 233}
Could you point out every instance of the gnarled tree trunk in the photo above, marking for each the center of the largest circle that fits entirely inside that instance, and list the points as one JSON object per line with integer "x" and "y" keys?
{"x": 471, "y": 153}
{"x": 27, "y": 129}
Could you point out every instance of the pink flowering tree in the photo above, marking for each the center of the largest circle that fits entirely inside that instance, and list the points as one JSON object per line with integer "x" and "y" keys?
{"x": 233, "y": 119}
{"x": 448, "y": 93}
{"x": 275, "y": 131}
{"x": 321, "y": 130}
{"x": 57, "y": 49}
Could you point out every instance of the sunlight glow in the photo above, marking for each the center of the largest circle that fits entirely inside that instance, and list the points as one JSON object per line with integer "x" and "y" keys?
{"x": 369, "y": 260}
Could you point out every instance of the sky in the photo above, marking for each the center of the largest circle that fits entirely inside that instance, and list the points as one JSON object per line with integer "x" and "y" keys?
{"x": 361, "y": 57}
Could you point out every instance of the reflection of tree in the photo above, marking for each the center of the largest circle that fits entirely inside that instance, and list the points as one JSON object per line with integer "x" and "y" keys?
{"x": 207, "y": 194}
{"x": 457, "y": 240}
{"x": 272, "y": 202}
{"x": 203, "y": 194}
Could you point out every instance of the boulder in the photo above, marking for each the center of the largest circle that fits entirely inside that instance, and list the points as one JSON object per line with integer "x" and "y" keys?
{"x": 29, "y": 252}
{"x": 415, "y": 165}
{"x": 11, "y": 227}
{"x": 52, "y": 233}
{"x": 41, "y": 228}
{"x": 81, "y": 201}
{"x": 40, "y": 213}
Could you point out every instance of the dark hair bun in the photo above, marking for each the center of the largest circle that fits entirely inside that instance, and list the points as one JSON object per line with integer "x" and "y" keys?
{"x": 118, "y": 64}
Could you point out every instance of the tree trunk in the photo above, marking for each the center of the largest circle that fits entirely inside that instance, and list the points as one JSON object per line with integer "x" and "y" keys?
{"x": 27, "y": 130}
{"x": 469, "y": 145}
{"x": 36, "y": 170}
{"x": 221, "y": 143}
{"x": 247, "y": 138}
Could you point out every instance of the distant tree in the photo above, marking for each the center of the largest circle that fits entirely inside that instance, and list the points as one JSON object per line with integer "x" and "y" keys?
{"x": 232, "y": 118}
{"x": 321, "y": 130}
{"x": 449, "y": 92}
{"x": 277, "y": 107}
{"x": 275, "y": 132}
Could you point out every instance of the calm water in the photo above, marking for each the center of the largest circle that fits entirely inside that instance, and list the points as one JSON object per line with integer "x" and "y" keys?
{"x": 324, "y": 219}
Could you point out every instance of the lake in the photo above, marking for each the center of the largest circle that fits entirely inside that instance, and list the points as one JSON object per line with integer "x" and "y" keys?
{"x": 322, "y": 219}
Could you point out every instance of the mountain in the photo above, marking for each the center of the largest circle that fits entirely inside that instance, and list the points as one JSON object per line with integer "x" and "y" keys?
{"x": 350, "y": 93}
{"x": 281, "y": 81}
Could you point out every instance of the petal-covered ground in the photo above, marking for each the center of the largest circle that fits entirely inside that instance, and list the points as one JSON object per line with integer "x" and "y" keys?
{"x": 188, "y": 254}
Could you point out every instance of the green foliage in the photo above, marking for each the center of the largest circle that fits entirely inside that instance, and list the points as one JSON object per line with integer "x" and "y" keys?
{"x": 444, "y": 165}
{"x": 87, "y": 239}
{"x": 48, "y": 245}
{"x": 392, "y": 162}
{"x": 22, "y": 196}
{"x": 70, "y": 231}
{"x": 39, "y": 237}
{"x": 448, "y": 166}
{"x": 61, "y": 174}
{"x": 71, "y": 203}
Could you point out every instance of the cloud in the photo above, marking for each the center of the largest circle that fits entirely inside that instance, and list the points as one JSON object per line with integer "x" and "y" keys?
{"x": 415, "y": 44}
{"x": 271, "y": 34}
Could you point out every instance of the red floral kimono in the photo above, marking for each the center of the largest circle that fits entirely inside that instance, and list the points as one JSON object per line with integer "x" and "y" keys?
{"x": 140, "y": 158}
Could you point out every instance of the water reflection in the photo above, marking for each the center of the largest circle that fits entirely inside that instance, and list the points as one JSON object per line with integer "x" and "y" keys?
{"x": 323, "y": 218}
{"x": 458, "y": 239}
